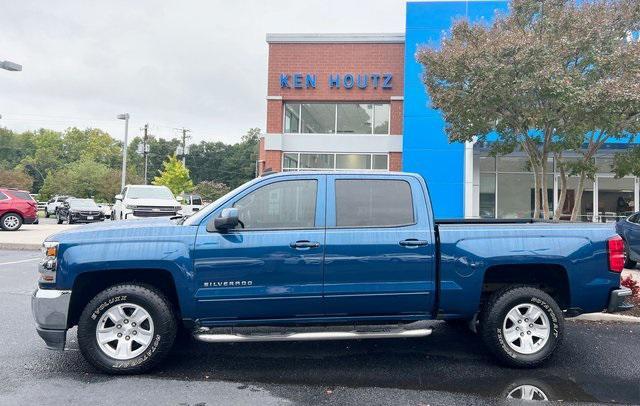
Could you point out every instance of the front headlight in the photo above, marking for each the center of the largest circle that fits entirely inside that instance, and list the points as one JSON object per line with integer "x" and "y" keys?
{"x": 130, "y": 207}
{"x": 49, "y": 264}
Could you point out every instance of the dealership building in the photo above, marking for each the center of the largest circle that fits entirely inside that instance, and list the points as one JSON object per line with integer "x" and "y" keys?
{"x": 357, "y": 101}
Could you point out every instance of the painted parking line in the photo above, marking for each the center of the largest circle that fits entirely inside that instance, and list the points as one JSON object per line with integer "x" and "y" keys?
{"x": 19, "y": 262}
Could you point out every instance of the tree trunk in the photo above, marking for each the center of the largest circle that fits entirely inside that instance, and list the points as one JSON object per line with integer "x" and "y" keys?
{"x": 563, "y": 189}
{"x": 575, "y": 213}
{"x": 543, "y": 189}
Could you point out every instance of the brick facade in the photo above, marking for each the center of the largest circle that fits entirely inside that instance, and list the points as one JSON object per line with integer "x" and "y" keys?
{"x": 323, "y": 59}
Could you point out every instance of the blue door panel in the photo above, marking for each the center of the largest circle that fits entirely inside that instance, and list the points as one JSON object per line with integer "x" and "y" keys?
{"x": 256, "y": 274}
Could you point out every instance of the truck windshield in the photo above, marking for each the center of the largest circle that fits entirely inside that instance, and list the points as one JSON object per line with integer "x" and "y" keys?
{"x": 149, "y": 193}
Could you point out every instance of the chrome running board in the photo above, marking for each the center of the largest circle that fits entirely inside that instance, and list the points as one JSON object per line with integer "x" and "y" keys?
{"x": 310, "y": 336}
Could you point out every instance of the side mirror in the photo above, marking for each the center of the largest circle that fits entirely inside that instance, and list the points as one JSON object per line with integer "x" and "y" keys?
{"x": 180, "y": 198}
{"x": 119, "y": 197}
{"x": 227, "y": 220}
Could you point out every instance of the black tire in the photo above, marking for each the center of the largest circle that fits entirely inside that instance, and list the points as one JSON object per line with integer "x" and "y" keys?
{"x": 494, "y": 314}
{"x": 11, "y": 222}
{"x": 59, "y": 219}
{"x": 161, "y": 312}
{"x": 46, "y": 213}
{"x": 69, "y": 221}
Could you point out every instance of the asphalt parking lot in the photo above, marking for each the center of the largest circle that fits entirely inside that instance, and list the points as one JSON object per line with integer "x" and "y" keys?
{"x": 599, "y": 362}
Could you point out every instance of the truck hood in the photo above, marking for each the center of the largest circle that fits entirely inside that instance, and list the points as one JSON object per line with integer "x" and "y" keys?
{"x": 152, "y": 202}
{"x": 117, "y": 230}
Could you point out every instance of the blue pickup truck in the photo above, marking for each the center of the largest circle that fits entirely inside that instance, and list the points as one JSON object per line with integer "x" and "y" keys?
{"x": 321, "y": 256}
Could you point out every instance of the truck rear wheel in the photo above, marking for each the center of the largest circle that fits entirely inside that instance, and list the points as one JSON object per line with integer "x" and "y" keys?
{"x": 127, "y": 329}
{"x": 522, "y": 326}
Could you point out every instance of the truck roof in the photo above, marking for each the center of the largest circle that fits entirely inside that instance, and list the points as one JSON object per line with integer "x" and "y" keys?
{"x": 340, "y": 172}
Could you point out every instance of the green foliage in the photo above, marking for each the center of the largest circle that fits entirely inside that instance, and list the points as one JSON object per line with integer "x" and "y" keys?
{"x": 175, "y": 176}
{"x": 211, "y": 190}
{"x": 15, "y": 178}
{"x": 627, "y": 163}
{"x": 85, "y": 178}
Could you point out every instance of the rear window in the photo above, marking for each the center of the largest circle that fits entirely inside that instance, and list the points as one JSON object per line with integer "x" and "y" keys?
{"x": 21, "y": 195}
{"x": 3, "y": 196}
{"x": 196, "y": 201}
{"x": 373, "y": 203}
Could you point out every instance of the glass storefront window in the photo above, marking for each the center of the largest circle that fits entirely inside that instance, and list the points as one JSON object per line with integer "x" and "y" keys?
{"x": 488, "y": 195}
{"x": 516, "y": 195}
{"x": 336, "y": 118}
{"x": 615, "y": 198}
{"x": 355, "y": 118}
{"x": 318, "y": 118}
{"x": 316, "y": 161}
{"x": 381, "y": 162}
{"x": 290, "y": 161}
{"x": 353, "y": 161}
{"x": 292, "y": 118}
{"x": 586, "y": 204}
{"x": 381, "y": 116}
{"x": 604, "y": 164}
{"x": 519, "y": 164}
{"x": 487, "y": 164}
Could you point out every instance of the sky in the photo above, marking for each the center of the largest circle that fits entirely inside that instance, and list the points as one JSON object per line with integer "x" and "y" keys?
{"x": 195, "y": 64}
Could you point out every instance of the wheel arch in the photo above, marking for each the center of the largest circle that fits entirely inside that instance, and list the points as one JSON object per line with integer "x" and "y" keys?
{"x": 88, "y": 284}
{"x": 550, "y": 278}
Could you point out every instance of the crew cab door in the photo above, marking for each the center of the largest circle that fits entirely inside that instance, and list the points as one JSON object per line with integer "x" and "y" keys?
{"x": 270, "y": 266}
{"x": 379, "y": 255}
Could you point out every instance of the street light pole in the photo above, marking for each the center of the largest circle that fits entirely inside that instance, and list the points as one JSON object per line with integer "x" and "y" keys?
{"x": 124, "y": 117}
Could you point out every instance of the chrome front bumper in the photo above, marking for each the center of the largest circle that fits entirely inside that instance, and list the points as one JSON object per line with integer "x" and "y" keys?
{"x": 50, "y": 309}
{"x": 620, "y": 300}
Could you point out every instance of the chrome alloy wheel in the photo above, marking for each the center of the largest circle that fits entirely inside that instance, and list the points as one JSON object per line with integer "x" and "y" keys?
{"x": 526, "y": 328}
{"x": 528, "y": 392}
{"x": 124, "y": 331}
{"x": 11, "y": 222}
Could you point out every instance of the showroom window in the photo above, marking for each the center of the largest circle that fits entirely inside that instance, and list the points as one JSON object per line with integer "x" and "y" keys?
{"x": 294, "y": 161}
{"x": 337, "y": 118}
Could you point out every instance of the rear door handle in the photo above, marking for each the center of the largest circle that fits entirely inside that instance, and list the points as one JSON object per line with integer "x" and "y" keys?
{"x": 304, "y": 245}
{"x": 413, "y": 243}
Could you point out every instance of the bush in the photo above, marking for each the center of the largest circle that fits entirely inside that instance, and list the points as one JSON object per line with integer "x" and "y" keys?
{"x": 632, "y": 284}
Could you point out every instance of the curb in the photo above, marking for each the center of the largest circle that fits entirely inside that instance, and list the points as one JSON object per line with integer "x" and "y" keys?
{"x": 607, "y": 317}
{"x": 20, "y": 247}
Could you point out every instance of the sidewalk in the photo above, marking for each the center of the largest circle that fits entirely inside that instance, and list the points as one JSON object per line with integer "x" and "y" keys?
{"x": 30, "y": 236}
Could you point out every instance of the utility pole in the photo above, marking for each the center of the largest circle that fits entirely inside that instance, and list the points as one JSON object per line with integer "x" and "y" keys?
{"x": 124, "y": 117}
{"x": 145, "y": 153}
{"x": 184, "y": 144}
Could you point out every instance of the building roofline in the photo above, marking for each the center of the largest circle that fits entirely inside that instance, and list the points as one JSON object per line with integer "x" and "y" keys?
{"x": 390, "y": 38}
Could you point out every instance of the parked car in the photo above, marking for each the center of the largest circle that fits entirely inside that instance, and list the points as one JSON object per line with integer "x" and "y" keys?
{"x": 51, "y": 209}
{"x": 629, "y": 230}
{"x": 106, "y": 209}
{"x": 322, "y": 248}
{"x": 140, "y": 201}
{"x": 16, "y": 208}
{"x": 191, "y": 203}
{"x": 74, "y": 210}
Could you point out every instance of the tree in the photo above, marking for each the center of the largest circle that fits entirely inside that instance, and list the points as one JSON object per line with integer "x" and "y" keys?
{"x": 211, "y": 190}
{"x": 550, "y": 75}
{"x": 175, "y": 176}
{"x": 15, "y": 178}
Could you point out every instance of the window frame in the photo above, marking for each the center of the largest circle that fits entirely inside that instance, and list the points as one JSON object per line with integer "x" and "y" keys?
{"x": 4, "y": 196}
{"x": 335, "y": 124}
{"x": 335, "y": 225}
{"x": 248, "y": 192}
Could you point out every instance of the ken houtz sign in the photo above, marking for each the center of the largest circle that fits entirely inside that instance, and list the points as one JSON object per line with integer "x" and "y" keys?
{"x": 337, "y": 80}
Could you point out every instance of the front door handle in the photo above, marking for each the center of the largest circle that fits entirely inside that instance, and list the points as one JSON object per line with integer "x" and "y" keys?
{"x": 413, "y": 243}
{"x": 304, "y": 245}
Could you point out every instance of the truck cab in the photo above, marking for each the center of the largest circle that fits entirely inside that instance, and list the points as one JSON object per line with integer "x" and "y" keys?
{"x": 321, "y": 250}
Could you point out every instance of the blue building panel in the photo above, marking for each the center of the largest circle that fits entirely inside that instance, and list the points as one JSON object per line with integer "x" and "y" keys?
{"x": 426, "y": 149}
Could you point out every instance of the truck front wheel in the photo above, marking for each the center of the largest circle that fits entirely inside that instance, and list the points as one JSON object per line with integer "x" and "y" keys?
{"x": 127, "y": 329}
{"x": 522, "y": 326}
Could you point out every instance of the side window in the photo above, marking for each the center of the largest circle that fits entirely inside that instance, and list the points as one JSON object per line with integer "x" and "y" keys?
{"x": 373, "y": 203}
{"x": 635, "y": 218}
{"x": 280, "y": 205}
{"x": 3, "y": 196}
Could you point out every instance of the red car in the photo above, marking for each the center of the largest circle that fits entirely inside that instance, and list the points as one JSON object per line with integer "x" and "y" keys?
{"x": 16, "y": 208}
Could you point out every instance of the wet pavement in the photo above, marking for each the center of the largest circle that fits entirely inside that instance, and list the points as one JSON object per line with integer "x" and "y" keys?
{"x": 599, "y": 362}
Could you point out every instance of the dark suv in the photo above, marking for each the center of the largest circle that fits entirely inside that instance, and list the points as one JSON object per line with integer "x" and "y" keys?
{"x": 17, "y": 207}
